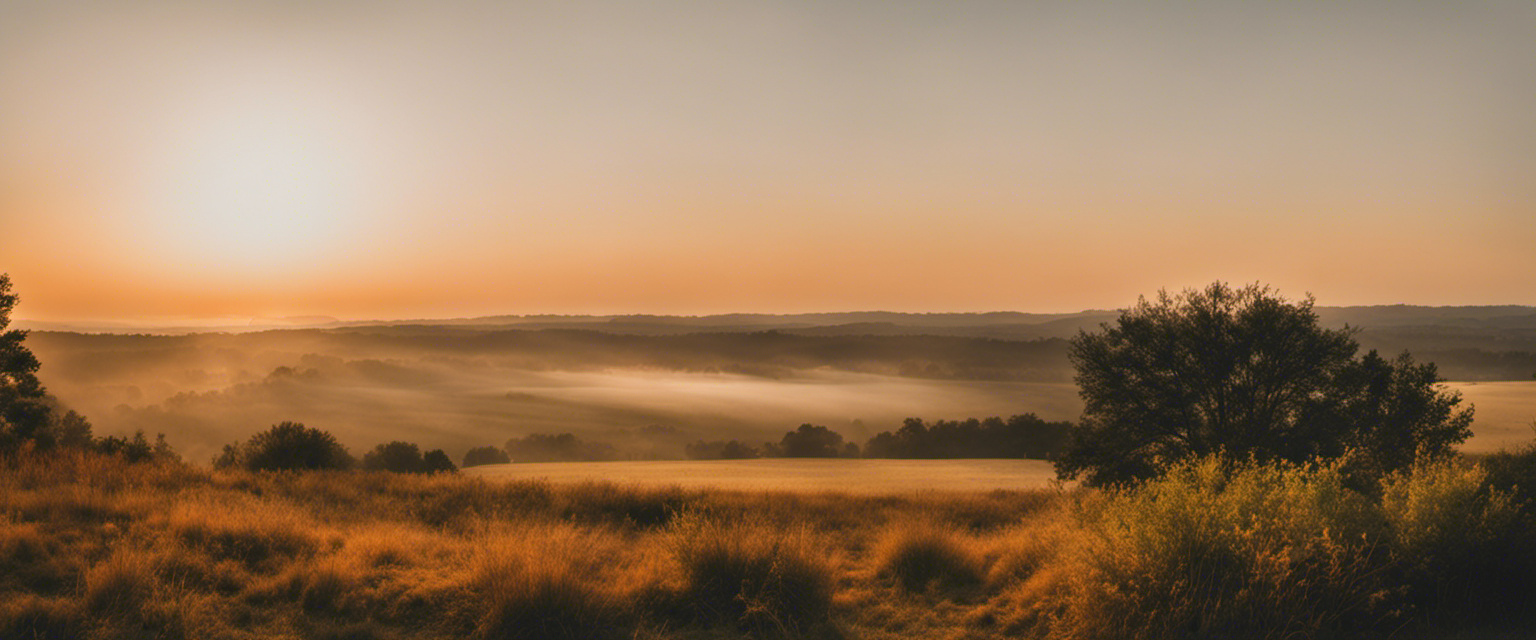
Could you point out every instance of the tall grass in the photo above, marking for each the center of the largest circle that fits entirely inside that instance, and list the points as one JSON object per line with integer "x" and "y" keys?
{"x": 92, "y": 547}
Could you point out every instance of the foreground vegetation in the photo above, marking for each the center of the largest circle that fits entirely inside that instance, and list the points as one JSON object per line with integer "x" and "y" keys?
{"x": 94, "y": 546}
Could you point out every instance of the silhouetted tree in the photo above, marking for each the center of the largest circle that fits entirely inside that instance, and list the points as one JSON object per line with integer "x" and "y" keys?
{"x": 137, "y": 448}
{"x": 288, "y": 445}
{"x": 1021, "y": 436}
{"x": 1246, "y": 372}
{"x": 811, "y": 441}
{"x": 24, "y": 410}
{"x": 485, "y": 455}
{"x": 565, "y": 447}
{"x": 405, "y": 457}
{"x": 397, "y": 456}
{"x": 437, "y": 461}
{"x": 720, "y": 450}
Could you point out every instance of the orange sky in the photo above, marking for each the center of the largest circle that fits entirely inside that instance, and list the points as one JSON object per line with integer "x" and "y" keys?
{"x": 379, "y": 160}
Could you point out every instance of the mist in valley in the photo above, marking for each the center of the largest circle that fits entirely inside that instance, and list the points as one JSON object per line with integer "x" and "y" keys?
{"x": 647, "y": 386}
{"x": 459, "y": 391}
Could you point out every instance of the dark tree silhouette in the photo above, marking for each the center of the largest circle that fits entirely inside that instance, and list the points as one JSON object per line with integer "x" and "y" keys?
{"x": 720, "y": 450}
{"x": 1021, "y": 436}
{"x": 406, "y": 457}
{"x": 485, "y": 455}
{"x": 437, "y": 461}
{"x": 1246, "y": 372}
{"x": 565, "y": 447}
{"x": 24, "y": 410}
{"x": 289, "y": 445}
{"x": 397, "y": 456}
{"x": 812, "y": 441}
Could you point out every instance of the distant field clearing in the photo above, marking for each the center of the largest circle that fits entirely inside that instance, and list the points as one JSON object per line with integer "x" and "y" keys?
{"x": 779, "y": 474}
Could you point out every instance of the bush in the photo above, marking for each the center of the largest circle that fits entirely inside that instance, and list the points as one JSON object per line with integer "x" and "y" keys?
{"x": 1218, "y": 548}
{"x": 1465, "y": 548}
{"x": 485, "y": 455}
{"x": 286, "y": 446}
{"x": 1514, "y": 472}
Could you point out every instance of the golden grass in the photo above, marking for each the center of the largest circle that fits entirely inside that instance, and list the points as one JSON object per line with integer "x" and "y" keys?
{"x": 91, "y": 547}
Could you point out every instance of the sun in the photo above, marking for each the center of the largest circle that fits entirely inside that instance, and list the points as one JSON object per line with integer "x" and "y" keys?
{"x": 258, "y": 185}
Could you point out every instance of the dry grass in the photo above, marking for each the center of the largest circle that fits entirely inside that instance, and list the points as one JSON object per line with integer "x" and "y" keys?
{"x": 91, "y": 547}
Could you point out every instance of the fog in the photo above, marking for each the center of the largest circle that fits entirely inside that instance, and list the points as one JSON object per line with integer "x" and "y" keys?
{"x": 205, "y": 391}
{"x": 649, "y": 385}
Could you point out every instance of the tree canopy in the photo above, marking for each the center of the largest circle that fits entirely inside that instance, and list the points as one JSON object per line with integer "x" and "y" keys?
{"x": 406, "y": 457}
{"x": 1246, "y": 372}
{"x": 24, "y": 410}
{"x": 286, "y": 446}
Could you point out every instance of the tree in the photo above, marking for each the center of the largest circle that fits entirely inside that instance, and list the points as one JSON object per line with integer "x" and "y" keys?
{"x": 397, "y": 456}
{"x": 24, "y": 410}
{"x": 720, "y": 450}
{"x": 406, "y": 457}
{"x": 485, "y": 455}
{"x": 1249, "y": 373}
{"x": 812, "y": 441}
{"x": 288, "y": 445}
{"x": 437, "y": 461}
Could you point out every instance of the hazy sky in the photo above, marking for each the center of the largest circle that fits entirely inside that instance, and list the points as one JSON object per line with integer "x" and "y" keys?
{"x": 438, "y": 158}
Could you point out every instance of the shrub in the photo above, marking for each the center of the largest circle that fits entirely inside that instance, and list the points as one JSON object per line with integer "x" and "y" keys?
{"x": 922, "y": 556}
{"x": 1218, "y": 548}
{"x": 1514, "y": 472}
{"x": 288, "y": 445}
{"x": 1464, "y": 547}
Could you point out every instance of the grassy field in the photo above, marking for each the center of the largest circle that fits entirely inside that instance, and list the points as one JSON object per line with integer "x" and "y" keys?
{"x": 93, "y": 547}
{"x": 860, "y": 476}
{"x": 1505, "y": 411}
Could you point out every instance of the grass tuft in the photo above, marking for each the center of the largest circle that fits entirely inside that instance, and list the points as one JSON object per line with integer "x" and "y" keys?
{"x": 29, "y": 616}
{"x": 922, "y": 556}
{"x": 754, "y": 577}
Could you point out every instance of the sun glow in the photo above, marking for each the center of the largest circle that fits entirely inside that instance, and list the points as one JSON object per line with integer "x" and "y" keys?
{"x": 259, "y": 182}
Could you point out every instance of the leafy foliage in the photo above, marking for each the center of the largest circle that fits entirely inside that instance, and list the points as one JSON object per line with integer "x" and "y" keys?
{"x": 1247, "y": 372}
{"x": 286, "y": 446}
{"x": 24, "y": 411}
{"x": 406, "y": 457}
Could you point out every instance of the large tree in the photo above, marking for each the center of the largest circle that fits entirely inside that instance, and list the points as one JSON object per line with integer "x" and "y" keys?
{"x": 1249, "y": 373}
{"x": 24, "y": 409}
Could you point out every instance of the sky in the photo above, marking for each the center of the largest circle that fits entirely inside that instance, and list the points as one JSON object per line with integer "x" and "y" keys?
{"x": 452, "y": 158}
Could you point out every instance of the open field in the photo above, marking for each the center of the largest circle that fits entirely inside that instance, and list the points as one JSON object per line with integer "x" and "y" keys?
{"x": 1505, "y": 411}
{"x": 859, "y": 476}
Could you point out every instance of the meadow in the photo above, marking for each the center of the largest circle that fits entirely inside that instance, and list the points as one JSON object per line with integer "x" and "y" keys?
{"x": 870, "y": 476}
{"x": 94, "y": 547}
